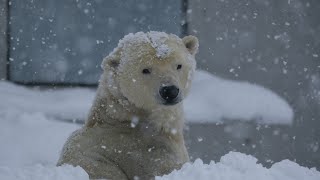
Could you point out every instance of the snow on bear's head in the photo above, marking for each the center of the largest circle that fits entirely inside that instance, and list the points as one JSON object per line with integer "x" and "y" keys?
{"x": 151, "y": 69}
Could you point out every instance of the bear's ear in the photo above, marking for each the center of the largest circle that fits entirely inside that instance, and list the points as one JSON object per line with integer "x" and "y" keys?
{"x": 191, "y": 43}
{"x": 112, "y": 61}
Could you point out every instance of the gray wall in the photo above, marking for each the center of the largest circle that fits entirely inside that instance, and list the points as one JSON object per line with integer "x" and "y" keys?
{"x": 272, "y": 43}
{"x": 3, "y": 39}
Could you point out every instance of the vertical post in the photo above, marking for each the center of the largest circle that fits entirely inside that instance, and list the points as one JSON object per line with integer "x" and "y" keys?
{"x": 184, "y": 14}
{"x": 3, "y": 38}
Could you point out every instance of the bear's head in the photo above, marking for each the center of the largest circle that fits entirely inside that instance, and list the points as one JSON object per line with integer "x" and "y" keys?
{"x": 151, "y": 69}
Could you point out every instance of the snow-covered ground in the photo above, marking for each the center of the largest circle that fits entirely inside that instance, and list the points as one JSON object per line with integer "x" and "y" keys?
{"x": 238, "y": 166}
{"x": 71, "y": 103}
{"x": 32, "y": 133}
{"x": 40, "y": 172}
{"x": 232, "y": 166}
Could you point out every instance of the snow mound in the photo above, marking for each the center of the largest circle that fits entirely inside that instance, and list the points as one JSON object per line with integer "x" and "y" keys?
{"x": 235, "y": 166}
{"x": 40, "y": 172}
{"x": 232, "y": 166}
{"x": 213, "y": 99}
{"x": 31, "y": 138}
{"x": 60, "y": 103}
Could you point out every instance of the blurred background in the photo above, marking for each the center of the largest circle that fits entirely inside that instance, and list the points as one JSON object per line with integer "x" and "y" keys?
{"x": 271, "y": 43}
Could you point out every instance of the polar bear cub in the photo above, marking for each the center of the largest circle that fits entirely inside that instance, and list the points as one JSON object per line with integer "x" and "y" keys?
{"x": 135, "y": 126}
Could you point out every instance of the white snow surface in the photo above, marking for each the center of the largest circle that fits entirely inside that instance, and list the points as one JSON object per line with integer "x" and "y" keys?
{"x": 238, "y": 166}
{"x": 31, "y": 138}
{"x": 213, "y": 99}
{"x": 30, "y": 146}
{"x": 31, "y": 135}
{"x": 40, "y": 172}
{"x": 62, "y": 103}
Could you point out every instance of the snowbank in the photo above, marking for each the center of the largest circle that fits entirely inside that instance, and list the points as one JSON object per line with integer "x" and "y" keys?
{"x": 212, "y": 99}
{"x": 40, "y": 172}
{"x": 237, "y": 166}
{"x": 31, "y": 138}
{"x": 233, "y": 166}
{"x": 69, "y": 103}
{"x": 31, "y": 144}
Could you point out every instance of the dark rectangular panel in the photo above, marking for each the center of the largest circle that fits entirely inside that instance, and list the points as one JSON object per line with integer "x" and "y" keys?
{"x": 3, "y": 39}
{"x": 64, "y": 41}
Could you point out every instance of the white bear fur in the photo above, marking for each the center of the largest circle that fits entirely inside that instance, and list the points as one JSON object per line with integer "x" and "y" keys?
{"x": 129, "y": 134}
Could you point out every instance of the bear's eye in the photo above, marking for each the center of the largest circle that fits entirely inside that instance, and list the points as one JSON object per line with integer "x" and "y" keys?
{"x": 146, "y": 71}
{"x": 179, "y": 66}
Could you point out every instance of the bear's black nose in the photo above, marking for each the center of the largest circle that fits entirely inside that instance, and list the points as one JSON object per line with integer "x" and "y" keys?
{"x": 169, "y": 93}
